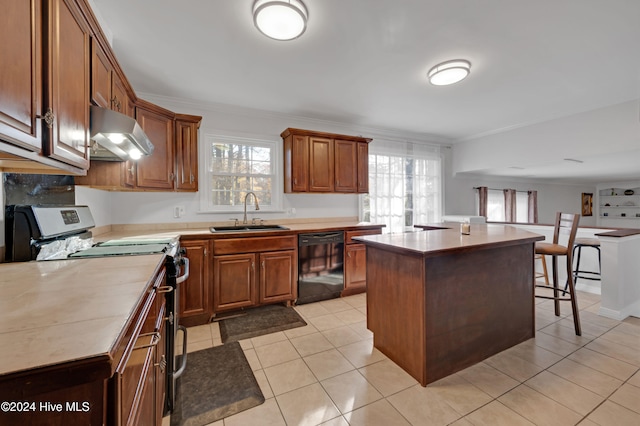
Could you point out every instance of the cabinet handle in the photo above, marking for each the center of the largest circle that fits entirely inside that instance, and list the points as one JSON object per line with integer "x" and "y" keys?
{"x": 130, "y": 170}
{"x": 192, "y": 178}
{"x": 295, "y": 181}
{"x": 253, "y": 266}
{"x": 205, "y": 251}
{"x": 349, "y": 254}
{"x": 162, "y": 364}
{"x": 48, "y": 118}
{"x": 155, "y": 339}
{"x": 164, "y": 289}
{"x": 263, "y": 264}
{"x": 116, "y": 103}
{"x": 171, "y": 177}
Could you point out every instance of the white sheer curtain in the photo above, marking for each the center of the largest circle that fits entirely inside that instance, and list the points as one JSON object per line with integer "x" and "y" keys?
{"x": 405, "y": 185}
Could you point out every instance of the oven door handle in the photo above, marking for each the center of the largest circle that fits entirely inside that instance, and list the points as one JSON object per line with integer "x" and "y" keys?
{"x": 177, "y": 373}
{"x": 182, "y": 278}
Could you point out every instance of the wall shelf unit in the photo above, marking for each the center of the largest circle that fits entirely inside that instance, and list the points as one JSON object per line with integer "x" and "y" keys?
{"x": 619, "y": 203}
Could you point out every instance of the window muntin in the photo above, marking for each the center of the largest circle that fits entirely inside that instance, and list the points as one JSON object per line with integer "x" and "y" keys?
{"x": 236, "y": 166}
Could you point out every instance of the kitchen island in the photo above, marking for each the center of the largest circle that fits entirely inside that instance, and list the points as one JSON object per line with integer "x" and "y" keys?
{"x": 439, "y": 301}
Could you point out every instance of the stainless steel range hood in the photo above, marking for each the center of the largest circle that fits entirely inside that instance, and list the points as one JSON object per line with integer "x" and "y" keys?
{"x": 116, "y": 137}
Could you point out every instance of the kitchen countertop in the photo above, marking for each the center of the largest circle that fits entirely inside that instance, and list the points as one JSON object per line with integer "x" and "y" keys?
{"x": 59, "y": 311}
{"x": 199, "y": 233}
{"x": 446, "y": 238}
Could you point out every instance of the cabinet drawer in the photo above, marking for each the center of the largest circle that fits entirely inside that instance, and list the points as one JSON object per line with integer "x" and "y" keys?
{"x": 350, "y": 234}
{"x": 253, "y": 245}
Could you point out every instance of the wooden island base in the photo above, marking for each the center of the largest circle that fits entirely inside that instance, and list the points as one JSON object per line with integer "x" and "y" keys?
{"x": 437, "y": 311}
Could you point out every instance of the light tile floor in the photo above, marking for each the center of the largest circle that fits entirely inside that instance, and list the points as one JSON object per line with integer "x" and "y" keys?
{"x": 329, "y": 373}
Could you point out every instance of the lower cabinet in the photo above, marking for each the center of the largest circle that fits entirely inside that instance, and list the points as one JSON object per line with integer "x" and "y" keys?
{"x": 355, "y": 269}
{"x": 138, "y": 386}
{"x": 195, "y": 292}
{"x": 123, "y": 387}
{"x": 355, "y": 262}
{"x": 254, "y": 271}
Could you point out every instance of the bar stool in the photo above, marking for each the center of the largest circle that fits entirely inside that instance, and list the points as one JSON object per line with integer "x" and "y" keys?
{"x": 544, "y": 274}
{"x": 592, "y": 275}
{"x": 565, "y": 224}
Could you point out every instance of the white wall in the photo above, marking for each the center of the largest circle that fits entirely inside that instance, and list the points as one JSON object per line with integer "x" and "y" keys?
{"x": 599, "y": 132}
{"x": 460, "y": 197}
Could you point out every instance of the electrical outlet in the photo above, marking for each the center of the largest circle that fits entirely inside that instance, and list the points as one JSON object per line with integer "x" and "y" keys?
{"x": 178, "y": 212}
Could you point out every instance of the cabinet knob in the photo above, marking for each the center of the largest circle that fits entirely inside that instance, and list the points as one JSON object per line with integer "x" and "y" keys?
{"x": 48, "y": 118}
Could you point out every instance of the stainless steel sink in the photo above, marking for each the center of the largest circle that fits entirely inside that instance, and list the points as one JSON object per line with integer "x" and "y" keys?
{"x": 247, "y": 228}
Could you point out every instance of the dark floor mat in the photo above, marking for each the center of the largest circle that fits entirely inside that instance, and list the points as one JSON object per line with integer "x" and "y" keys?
{"x": 259, "y": 321}
{"x": 217, "y": 383}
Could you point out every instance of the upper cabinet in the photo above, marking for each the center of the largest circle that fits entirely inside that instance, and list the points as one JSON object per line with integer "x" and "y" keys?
{"x": 44, "y": 113}
{"x": 186, "y": 152}
{"x": 156, "y": 171}
{"x": 325, "y": 162}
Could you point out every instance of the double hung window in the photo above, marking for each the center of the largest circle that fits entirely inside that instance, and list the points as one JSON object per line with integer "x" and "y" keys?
{"x": 236, "y": 166}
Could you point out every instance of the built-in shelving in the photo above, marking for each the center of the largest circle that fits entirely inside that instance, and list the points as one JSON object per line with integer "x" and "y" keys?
{"x": 619, "y": 203}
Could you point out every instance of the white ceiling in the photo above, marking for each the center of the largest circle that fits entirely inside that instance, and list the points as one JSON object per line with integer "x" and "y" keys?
{"x": 364, "y": 62}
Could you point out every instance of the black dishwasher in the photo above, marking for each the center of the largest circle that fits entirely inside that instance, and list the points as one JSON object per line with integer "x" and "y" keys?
{"x": 320, "y": 266}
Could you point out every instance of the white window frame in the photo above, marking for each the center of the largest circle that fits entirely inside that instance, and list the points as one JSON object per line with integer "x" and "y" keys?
{"x": 277, "y": 194}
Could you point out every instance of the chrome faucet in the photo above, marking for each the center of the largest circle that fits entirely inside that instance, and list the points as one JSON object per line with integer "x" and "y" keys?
{"x": 244, "y": 221}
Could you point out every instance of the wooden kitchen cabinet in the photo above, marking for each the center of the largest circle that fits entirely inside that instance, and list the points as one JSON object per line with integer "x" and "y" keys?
{"x": 355, "y": 261}
{"x": 355, "y": 269}
{"x": 234, "y": 283}
{"x": 254, "y": 271}
{"x": 277, "y": 273}
{"x": 346, "y": 166}
{"x": 195, "y": 307}
{"x": 156, "y": 171}
{"x": 44, "y": 113}
{"x": 363, "y": 167}
{"x": 107, "y": 88}
{"x": 186, "y": 152}
{"x": 325, "y": 162}
{"x": 321, "y": 157}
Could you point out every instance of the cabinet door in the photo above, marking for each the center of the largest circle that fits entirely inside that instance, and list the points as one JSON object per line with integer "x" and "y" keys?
{"x": 186, "y": 156}
{"x": 363, "y": 167}
{"x": 156, "y": 170}
{"x": 300, "y": 164}
{"x": 100, "y": 76}
{"x": 119, "y": 98}
{"x": 346, "y": 170}
{"x": 233, "y": 281}
{"x": 194, "y": 292}
{"x": 20, "y": 73}
{"x": 355, "y": 269}
{"x": 321, "y": 164}
{"x": 278, "y": 277}
{"x": 67, "y": 84}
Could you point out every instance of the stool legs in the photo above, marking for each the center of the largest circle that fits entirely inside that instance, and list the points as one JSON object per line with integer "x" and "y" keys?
{"x": 572, "y": 293}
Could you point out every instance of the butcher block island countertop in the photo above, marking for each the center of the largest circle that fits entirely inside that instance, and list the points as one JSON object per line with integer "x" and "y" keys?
{"x": 439, "y": 301}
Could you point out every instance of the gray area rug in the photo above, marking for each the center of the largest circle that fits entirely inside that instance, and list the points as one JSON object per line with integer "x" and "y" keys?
{"x": 218, "y": 382}
{"x": 258, "y": 321}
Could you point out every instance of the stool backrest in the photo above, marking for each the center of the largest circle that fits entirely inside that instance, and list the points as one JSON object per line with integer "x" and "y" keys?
{"x": 567, "y": 226}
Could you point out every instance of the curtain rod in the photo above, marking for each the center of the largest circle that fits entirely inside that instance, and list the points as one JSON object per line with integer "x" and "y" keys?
{"x": 496, "y": 189}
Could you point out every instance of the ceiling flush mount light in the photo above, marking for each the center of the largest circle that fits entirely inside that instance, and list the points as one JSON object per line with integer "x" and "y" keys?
{"x": 280, "y": 19}
{"x": 449, "y": 72}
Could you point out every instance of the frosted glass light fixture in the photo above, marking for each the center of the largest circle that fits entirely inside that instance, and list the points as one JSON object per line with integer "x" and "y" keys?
{"x": 280, "y": 19}
{"x": 449, "y": 72}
